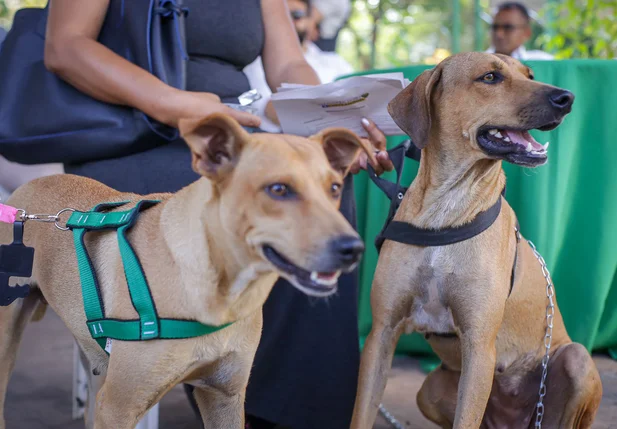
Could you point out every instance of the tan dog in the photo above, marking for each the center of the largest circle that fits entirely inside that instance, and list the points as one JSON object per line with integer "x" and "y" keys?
{"x": 468, "y": 114}
{"x": 266, "y": 206}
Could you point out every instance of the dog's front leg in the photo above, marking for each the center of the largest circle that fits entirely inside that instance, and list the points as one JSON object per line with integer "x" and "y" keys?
{"x": 219, "y": 409}
{"x": 478, "y": 319}
{"x": 374, "y": 365}
{"x": 476, "y": 380}
{"x": 221, "y": 390}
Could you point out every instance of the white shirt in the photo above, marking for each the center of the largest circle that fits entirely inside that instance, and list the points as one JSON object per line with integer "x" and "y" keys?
{"x": 523, "y": 54}
{"x": 327, "y": 65}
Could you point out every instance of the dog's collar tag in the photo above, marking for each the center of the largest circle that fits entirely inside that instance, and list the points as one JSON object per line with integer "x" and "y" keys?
{"x": 108, "y": 345}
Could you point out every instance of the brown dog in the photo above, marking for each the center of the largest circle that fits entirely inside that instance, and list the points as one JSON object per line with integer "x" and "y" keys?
{"x": 468, "y": 114}
{"x": 266, "y": 206}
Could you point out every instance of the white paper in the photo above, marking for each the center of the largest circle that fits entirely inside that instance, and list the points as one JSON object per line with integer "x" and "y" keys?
{"x": 305, "y": 110}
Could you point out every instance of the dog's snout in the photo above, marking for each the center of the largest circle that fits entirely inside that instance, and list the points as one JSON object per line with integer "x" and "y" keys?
{"x": 561, "y": 99}
{"x": 347, "y": 249}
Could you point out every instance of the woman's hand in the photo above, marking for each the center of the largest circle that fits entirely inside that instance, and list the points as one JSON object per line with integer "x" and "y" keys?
{"x": 270, "y": 112}
{"x": 73, "y": 53}
{"x": 378, "y": 140}
{"x": 197, "y": 105}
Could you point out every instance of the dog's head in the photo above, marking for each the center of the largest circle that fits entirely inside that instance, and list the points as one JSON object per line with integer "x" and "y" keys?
{"x": 490, "y": 101}
{"x": 278, "y": 198}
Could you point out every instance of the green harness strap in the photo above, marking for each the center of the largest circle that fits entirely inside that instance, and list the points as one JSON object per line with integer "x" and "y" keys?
{"x": 149, "y": 326}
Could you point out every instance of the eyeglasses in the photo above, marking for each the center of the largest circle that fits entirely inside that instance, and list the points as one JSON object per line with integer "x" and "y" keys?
{"x": 298, "y": 14}
{"x": 505, "y": 27}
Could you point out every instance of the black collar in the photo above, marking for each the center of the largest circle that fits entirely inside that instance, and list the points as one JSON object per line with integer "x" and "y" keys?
{"x": 407, "y": 233}
{"x": 404, "y": 232}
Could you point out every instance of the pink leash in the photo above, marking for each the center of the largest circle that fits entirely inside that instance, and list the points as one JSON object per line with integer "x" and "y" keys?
{"x": 8, "y": 214}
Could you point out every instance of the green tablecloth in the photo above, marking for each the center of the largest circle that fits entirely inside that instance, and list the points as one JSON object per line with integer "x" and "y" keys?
{"x": 567, "y": 207}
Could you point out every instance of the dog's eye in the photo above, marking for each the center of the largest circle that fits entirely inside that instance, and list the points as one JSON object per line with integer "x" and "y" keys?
{"x": 280, "y": 191}
{"x": 491, "y": 77}
{"x": 335, "y": 189}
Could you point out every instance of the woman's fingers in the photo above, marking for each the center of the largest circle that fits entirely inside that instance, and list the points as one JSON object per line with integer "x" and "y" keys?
{"x": 244, "y": 118}
{"x": 384, "y": 160}
{"x": 377, "y": 138}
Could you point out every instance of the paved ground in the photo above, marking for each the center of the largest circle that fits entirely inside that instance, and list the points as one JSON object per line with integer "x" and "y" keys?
{"x": 39, "y": 395}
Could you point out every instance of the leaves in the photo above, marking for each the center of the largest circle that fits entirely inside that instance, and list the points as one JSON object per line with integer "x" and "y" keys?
{"x": 9, "y": 7}
{"x": 409, "y": 31}
{"x": 581, "y": 29}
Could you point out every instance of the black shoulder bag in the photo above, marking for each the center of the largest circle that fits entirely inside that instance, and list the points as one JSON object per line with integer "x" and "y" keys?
{"x": 43, "y": 119}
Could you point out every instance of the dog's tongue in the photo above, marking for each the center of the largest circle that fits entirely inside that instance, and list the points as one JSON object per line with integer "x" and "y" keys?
{"x": 327, "y": 276}
{"x": 524, "y": 139}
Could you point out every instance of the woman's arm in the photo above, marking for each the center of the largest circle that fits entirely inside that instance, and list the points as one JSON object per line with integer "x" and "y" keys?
{"x": 73, "y": 52}
{"x": 282, "y": 55}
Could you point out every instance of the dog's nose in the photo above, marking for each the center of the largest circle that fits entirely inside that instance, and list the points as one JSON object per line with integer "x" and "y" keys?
{"x": 347, "y": 249}
{"x": 561, "y": 99}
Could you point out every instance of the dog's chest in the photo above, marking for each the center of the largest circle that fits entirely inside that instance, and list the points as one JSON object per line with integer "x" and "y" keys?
{"x": 429, "y": 310}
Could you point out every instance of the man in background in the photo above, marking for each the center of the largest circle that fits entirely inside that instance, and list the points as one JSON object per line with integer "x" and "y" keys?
{"x": 510, "y": 31}
{"x": 327, "y": 65}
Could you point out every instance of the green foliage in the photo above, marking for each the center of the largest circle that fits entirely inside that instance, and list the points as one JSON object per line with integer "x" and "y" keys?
{"x": 392, "y": 33}
{"x": 9, "y": 7}
{"x": 581, "y": 29}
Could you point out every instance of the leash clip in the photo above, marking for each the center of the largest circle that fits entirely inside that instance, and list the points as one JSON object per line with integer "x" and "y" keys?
{"x": 55, "y": 219}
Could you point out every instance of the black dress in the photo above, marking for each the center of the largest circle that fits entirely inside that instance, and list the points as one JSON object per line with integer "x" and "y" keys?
{"x": 306, "y": 367}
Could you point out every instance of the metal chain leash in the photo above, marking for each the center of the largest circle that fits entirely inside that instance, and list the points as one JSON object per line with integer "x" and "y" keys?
{"x": 390, "y": 418}
{"x": 548, "y": 336}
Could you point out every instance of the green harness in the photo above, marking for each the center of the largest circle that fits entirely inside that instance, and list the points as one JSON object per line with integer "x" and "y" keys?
{"x": 149, "y": 326}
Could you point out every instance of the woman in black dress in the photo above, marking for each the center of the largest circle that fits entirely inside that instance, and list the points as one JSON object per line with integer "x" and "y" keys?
{"x": 305, "y": 371}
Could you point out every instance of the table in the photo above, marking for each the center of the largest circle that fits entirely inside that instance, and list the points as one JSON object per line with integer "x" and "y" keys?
{"x": 567, "y": 207}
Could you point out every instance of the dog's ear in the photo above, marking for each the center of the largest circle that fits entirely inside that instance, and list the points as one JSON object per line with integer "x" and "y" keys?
{"x": 215, "y": 142}
{"x": 411, "y": 108}
{"x": 342, "y": 147}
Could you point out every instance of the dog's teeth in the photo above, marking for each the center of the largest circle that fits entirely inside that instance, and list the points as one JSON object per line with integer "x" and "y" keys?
{"x": 529, "y": 147}
{"x": 506, "y": 139}
{"x": 498, "y": 135}
{"x": 493, "y": 132}
{"x": 325, "y": 282}
{"x": 546, "y": 145}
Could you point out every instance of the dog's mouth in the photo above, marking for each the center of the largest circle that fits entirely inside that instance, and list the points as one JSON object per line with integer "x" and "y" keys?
{"x": 515, "y": 145}
{"x": 314, "y": 283}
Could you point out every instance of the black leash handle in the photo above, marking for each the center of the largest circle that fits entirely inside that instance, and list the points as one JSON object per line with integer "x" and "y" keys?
{"x": 393, "y": 190}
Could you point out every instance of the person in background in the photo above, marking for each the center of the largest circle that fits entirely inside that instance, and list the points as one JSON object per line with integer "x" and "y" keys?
{"x": 328, "y": 17}
{"x": 510, "y": 31}
{"x": 327, "y": 65}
